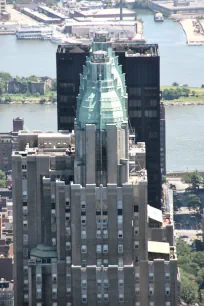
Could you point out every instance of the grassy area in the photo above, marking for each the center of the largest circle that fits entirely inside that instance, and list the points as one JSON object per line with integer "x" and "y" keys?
{"x": 196, "y": 95}
{"x": 48, "y": 96}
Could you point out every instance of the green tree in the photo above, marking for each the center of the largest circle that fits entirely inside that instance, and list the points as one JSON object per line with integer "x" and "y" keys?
{"x": 2, "y": 179}
{"x": 193, "y": 202}
{"x": 5, "y": 76}
{"x": 8, "y": 99}
{"x": 194, "y": 179}
{"x": 54, "y": 85}
{"x": 193, "y": 93}
{"x": 189, "y": 289}
{"x": 2, "y": 88}
{"x": 175, "y": 84}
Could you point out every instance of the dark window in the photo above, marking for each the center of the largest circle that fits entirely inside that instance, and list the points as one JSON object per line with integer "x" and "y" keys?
{"x": 136, "y": 208}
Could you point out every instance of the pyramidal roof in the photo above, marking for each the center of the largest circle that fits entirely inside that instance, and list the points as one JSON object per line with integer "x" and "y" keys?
{"x": 102, "y": 96}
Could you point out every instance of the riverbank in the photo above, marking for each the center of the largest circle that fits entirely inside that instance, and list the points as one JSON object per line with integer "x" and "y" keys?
{"x": 182, "y": 95}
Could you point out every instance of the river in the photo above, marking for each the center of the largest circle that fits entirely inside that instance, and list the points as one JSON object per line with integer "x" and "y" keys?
{"x": 179, "y": 62}
{"x": 185, "y": 125}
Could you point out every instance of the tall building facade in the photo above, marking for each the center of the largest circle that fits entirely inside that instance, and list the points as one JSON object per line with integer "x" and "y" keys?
{"x": 141, "y": 65}
{"x": 84, "y": 234}
{"x": 163, "y": 138}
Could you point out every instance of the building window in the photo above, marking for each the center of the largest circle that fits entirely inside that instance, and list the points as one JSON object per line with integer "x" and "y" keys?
{"x": 151, "y": 291}
{"x": 98, "y": 248}
{"x": 120, "y": 262}
{"x": 53, "y": 241}
{"x": 105, "y": 248}
{"x": 153, "y": 102}
{"x": 135, "y": 113}
{"x": 83, "y": 249}
{"x": 54, "y": 304}
{"x": 25, "y": 239}
{"x": 121, "y": 283}
{"x": 54, "y": 278}
{"x": 105, "y": 262}
{"x": 137, "y": 277}
{"x": 151, "y": 113}
{"x": 84, "y": 299}
{"x": 167, "y": 276}
{"x": 168, "y": 304}
{"x": 68, "y": 260}
{"x": 135, "y": 91}
{"x": 120, "y": 234}
{"x": 121, "y": 298}
{"x": 39, "y": 304}
{"x": 98, "y": 234}
{"x": 83, "y": 284}
{"x": 135, "y": 103}
{"x": 25, "y": 224}
{"x": 105, "y": 234}
{"x": 136, "y": 229}
{"x": 83, "y": 220}
{"x": 151, "y": 277}
{"x": 105, "y": 283}
{"x": 68, "y": 245}
{"x": 120, "y": 219}
{"x": 98, "y": 282}
{"x": 137, "y": 291}
{"x": 105, "y": 298}
{"x": 136, "y": 208}
{"x": 120, "y": 249}
{"x": 136, "y": 244}
{"x": 167, "y": 291}
{"x": 83, "y": 234}
{"x": 54, "y": 293}
{"x": 99, "y": 262}
{"x": 137, "y": 304}
{"x": 151, "y": 303}
{"x": 99, "y": 297}
{"x": 120, "y": 204}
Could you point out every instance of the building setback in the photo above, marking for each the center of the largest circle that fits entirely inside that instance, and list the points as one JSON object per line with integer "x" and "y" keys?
{"x": 141, "y": 65}
{"x": 83, "y": 232}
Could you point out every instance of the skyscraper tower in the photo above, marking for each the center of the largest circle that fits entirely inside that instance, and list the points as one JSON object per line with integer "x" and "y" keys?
{"x": 81, "y": 218}
{"x": 141, "y": 65}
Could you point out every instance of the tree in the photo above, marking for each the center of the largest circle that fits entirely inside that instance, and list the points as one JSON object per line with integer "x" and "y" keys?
{"x": 189, "y": 289}
{"x": 202, "y": 86}
{"x": 8, "y": 99}
{"x": 193, "y": 202}
{"x": 54, "y": 85}
{"x": 194, "y": 179}
{"x": 2, "y": 179}
{"x": 2, "y": 88}
{"x": 5, "y": 76}
{"x": 175, "y": 84}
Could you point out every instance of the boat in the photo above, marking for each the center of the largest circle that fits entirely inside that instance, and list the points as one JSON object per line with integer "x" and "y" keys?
{"x": 158, "y": 17}
{"x": 34, "y": 32}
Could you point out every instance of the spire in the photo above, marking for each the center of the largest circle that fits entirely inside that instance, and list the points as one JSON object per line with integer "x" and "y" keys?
{"x": 102, "y": 97}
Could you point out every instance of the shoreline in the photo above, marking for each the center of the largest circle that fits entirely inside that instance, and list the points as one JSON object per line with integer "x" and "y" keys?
{"x": 169, "y": 103}
{"x": 192, "y": 29}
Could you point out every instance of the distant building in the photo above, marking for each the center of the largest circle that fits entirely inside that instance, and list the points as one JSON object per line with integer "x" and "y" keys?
{"x": 37, "y": 87}
{"x": 15, "y": 87}
{"x": 6, "y": 293}
{"x": 162, "y": 138}
{"x": 4, "y": 16}
{"x": 18, "y": 124}
{"x": 141, "y": 65}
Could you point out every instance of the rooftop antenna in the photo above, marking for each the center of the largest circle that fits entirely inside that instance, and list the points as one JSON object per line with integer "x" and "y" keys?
{"x": 121, "y": 9}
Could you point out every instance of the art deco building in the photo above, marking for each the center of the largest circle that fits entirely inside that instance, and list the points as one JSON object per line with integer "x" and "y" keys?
{"x": 84, "y": 234}
{"x": 141, "y": 65}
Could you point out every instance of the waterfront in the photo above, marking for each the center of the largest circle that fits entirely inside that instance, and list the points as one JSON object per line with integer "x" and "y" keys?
{"x": 179, "y": 62}
{"x": 185, "y": 130}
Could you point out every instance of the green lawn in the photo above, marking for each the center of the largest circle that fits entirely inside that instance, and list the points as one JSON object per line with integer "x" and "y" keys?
{"x": 198, "y": 97}
{"x": 29, "y": 98}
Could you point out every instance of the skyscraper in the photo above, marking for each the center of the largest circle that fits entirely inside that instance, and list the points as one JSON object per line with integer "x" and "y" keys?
{"x": 141, "y": 65}
{"x": 84, "y": 234}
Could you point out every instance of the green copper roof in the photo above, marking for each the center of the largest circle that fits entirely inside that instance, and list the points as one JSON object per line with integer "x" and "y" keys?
{"x": 102, "y": 96}
{"x": 43, "y": 251}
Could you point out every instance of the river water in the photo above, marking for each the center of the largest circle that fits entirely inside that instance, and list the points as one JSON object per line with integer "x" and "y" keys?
{"x": 185, "y": 125}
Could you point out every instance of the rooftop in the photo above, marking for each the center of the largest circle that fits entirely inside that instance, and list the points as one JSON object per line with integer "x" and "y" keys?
{"x": 158, "y": 247}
